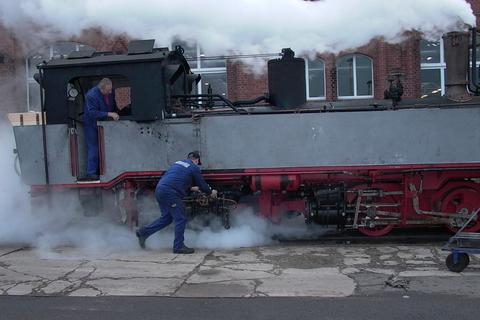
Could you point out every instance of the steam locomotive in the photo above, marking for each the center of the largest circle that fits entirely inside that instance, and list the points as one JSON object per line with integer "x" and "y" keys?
{"x": 373, "y": 167}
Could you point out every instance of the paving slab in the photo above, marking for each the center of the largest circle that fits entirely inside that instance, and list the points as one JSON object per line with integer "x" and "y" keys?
{"x": 242, "y": 288}
{"x": 136, "y": 286}
{"x": 221, "y": 274}
{"x": 324, "y": 282}
{"x": 7, "y": 250}
{"x": 84, "y": 292}
{"x": 115, "y": 269}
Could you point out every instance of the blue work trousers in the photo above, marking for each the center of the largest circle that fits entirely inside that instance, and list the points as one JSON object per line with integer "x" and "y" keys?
{"x": 91, "y": 139}
{"x": 172, "y": 209}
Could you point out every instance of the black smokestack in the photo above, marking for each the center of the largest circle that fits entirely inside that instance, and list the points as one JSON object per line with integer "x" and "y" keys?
{"x": 286, "y": 80}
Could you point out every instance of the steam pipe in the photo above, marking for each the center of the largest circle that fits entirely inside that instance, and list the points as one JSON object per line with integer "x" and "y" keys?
{"x": 252, "y": 101}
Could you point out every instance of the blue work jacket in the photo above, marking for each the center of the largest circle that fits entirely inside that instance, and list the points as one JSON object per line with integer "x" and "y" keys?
{"x": 96, "y": 108}
{"x": 181, "y": 176}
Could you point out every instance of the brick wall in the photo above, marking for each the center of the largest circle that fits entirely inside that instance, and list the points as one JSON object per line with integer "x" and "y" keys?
{"x": 387, "y": 58}
{"x": 244, "y": 84}
{"x": 12, "y": 74}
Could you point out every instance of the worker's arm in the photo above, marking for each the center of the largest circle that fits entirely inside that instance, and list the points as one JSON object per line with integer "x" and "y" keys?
{"x": 199, "y": 181}
{"x": 93, "y": 109}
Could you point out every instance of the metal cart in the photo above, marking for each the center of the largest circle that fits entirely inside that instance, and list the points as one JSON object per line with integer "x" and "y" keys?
{"x": 462, "y": 244}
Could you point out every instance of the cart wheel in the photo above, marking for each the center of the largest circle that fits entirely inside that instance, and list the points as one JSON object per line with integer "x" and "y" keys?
{"x": 462, "y": 263}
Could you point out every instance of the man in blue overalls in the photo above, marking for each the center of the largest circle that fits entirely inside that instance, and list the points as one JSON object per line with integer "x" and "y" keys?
{"x": 172, "y": 187}
{"x": 99, "y": 105}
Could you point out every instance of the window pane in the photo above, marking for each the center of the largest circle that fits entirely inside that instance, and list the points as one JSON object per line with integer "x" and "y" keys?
{"x": 364, "y": 76}
{"x": 316, "y": 78}
{"x": 345, "y": 76}
{"x": 33, "y": 96}
{"x": 207, "y": 62}
{"x": 431, "y": 83}
{"x": 218, "y": 82}
{"x": 63, "y": 48}
{"x": 211, "y": 63}
{"x": 316, "y": 64}
{"x": 429, "y": 51}
{"x": 122, "y": 97}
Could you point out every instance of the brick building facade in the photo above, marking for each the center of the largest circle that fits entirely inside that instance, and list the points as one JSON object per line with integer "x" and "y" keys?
{"x": 356, "y": 74}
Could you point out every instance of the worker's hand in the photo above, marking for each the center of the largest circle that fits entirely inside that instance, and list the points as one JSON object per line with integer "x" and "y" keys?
{"x": 214, "y": 193}
{"x": 114, "y": 115}
{"x": 195, "y": 189}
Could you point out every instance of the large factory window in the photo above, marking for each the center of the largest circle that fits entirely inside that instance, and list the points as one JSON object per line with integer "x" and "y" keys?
{"x": 432, "y": 68}
{"x": 315, "y": 79}
{"x": 56, "y": 50}
{"x": 211, "y": 68}
{"x": 355, "y": 77}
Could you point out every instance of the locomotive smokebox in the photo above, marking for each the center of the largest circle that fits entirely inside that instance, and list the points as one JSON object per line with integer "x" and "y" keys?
{"x": 456, "y": 46}
{"x": 286, "y": 80}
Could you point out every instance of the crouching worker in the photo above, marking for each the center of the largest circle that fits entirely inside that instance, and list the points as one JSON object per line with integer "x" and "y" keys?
{"x": 171, "y": 188}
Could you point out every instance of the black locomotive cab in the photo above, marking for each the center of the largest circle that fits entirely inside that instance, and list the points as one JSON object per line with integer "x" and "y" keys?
{"x": 144, "y": 81}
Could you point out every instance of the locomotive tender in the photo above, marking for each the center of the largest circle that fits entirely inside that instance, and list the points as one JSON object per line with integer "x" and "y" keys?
{"x": 392, "y": 164}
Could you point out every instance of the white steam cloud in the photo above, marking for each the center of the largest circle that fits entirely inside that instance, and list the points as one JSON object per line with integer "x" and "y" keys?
{"x": 240, "y": 26}
{"x": 34, "y": 223}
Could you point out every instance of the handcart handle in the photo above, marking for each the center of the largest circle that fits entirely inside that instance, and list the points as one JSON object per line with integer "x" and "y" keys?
{"x": 453, "y": 238}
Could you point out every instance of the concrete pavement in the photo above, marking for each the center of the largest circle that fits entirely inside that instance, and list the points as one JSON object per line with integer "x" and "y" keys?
{"x": 273, "y": 271}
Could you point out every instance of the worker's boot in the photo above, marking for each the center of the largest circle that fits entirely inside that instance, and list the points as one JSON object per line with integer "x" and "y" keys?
{"x": 184, "y": 250}
{"x": 141, "y": 240}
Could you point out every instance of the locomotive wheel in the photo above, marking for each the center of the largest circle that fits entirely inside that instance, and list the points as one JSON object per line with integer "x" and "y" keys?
{"x": 462, "y": 262}
{"x": 461, "y": 199}
{"x": 377, "y": 231}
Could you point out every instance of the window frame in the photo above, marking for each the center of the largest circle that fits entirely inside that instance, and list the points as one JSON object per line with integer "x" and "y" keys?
{"x": 307, "y": 78}
{"x": 435, "y": 66}
{"x": 355, "y": 95}
{"x": 206, "y": 70}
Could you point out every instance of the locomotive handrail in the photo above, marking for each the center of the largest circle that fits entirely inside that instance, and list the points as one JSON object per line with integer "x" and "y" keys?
{"x": 44, "y": 129}
{"x": 472, "y": 75}
{"x": 210, "y": 96}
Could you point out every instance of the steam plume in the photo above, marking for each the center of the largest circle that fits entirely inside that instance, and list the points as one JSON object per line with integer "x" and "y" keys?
{"x": 241, "y": 26}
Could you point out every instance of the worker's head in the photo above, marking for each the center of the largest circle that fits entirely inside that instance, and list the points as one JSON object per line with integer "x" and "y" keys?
{"x": 105, "y": 86}
{"x": 195, "y": 157}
